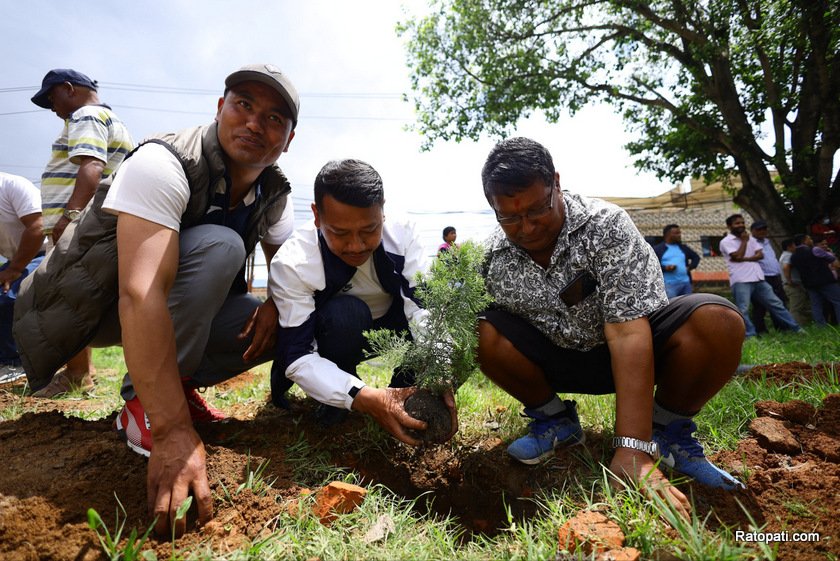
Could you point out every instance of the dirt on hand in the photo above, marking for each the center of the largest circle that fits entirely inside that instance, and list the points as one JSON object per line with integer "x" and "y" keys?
{"x": 55, "y": 468}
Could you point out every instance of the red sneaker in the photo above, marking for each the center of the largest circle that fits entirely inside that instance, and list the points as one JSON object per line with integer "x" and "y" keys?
{"x": 200, "y": 410}
{"x": 133, "y": 426}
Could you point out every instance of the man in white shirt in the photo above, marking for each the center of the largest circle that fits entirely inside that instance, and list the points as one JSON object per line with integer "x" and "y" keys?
{"x": 772, "y": 270}
{"x": 346, "y": 272}
{"x": 21, "y": 244}
{"x": 742, "y": 253}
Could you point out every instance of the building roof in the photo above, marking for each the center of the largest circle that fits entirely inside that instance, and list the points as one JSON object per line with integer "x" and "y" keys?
{"x": 701, "y": 195}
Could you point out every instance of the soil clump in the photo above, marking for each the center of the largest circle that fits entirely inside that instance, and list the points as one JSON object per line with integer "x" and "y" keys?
{"x": 429, "y": 407}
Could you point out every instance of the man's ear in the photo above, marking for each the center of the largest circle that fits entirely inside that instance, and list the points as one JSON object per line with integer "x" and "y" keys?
{"x": 291, "y": 136}
{"x": 316, "y": 215}
{"x": 219, "y": 107}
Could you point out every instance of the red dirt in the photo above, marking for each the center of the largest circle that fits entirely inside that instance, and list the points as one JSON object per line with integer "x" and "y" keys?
{"x": 55, "y": 468}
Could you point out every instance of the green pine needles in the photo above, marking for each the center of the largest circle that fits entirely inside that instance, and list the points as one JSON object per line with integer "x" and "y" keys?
{"x": 443, "y": 353}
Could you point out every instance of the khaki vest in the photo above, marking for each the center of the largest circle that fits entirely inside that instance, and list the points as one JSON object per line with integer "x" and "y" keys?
{"x": 61, "y": 305}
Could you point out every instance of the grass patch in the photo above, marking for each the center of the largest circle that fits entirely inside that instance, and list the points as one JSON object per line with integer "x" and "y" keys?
{"x": 389, "y": 526}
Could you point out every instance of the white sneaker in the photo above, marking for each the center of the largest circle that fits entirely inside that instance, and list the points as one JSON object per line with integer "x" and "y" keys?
{"x": 10, "y": 373}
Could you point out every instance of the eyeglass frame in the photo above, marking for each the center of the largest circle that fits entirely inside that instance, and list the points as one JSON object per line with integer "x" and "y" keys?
{"x": 532, "y": 215}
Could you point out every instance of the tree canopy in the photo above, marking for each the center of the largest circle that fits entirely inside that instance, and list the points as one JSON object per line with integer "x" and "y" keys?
{"x": 710, "y": 88}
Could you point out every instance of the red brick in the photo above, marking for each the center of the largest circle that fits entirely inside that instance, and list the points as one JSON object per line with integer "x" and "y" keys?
{"x": 337, "y": 498}
{"x": 592, "y": 532}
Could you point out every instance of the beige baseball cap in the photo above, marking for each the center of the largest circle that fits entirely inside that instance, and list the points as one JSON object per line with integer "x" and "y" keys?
{"x": 272, "y": 77}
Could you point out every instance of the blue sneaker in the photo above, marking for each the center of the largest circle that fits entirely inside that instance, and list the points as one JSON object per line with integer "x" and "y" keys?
{"x": 681, "y": 452}
{"x": 546, "y": 433}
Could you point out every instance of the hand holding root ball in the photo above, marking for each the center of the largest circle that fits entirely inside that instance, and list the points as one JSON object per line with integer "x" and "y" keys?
{"x": 442, "y": 352}
{"x": 411, "y": 415}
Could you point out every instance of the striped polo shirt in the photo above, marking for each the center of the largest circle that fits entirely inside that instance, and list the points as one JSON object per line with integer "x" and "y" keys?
{"x": 92, "y": 130}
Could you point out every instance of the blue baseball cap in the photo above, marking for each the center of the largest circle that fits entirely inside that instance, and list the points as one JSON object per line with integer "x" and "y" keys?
{"x": 59, "y": 76}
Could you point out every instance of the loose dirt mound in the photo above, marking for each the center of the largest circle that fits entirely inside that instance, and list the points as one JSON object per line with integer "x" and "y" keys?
{"x": 791, "y": 371}
{"x": 55, "y": 468}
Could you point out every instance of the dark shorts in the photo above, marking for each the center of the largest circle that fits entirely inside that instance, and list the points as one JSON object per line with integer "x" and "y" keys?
{"x": 590, "y": 372}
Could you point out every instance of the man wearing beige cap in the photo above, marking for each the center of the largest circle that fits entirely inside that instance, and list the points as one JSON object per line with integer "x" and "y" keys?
{"x": 186, "y": 209}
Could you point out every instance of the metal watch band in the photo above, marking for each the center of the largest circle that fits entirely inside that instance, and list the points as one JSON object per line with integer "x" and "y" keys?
{"x": 650, "y": 448}
{"x": 71, "y": 213}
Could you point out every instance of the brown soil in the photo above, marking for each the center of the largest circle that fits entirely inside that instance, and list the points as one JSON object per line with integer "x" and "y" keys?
{"x": 429, "y": 407}
{"x": 55, "y": 468}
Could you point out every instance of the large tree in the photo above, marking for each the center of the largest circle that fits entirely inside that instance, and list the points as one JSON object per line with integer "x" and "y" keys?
{"x": 698, "y": 82}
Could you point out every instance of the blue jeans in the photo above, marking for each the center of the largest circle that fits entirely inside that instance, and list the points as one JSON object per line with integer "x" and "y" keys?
{"x": 761, "y": 292}
{"x": 675, "y": 289}
{"x": 8, "y": 349}
{"x": 831, "y": 292}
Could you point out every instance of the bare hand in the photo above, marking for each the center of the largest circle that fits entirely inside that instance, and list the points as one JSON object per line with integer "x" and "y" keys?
{"x": 7, "y": 277}
{"x": 386, "y": 408}
{"x": 176, "y": 465}
{"x": 58, "y": 229}
{"x": 263, "y": 326}
{"x": 745, "y": 235}
{"x": 640, "y": 468}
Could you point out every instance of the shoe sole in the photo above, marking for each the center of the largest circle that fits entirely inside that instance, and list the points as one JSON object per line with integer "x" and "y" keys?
{"x": 544, "y": 457}
{"x": 121, "y": 432}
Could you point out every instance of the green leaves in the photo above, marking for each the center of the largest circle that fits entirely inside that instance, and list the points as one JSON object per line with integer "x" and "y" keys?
{"x": 702, "y": 83}
{"x": 443, "y": 352}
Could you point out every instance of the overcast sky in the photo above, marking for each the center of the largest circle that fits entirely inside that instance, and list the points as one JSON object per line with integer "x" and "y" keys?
{"x": 161, "y": 66}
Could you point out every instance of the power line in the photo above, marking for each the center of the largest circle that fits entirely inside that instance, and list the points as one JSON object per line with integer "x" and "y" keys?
{"x": 22, "y": 112}
{"x": 303, "y": 116}
{"x": 147, "y": 88}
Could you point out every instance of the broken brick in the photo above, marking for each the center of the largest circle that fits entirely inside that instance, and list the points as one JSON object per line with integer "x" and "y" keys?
{"x": 337, "y": 498}
{"x": 592, "y": 532}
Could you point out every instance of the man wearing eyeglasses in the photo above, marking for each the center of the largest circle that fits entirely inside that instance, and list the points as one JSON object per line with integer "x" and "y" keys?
{"x": 580, "y": 307}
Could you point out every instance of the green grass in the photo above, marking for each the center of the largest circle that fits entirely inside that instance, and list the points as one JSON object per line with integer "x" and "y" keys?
{"x": 388, "y": 526}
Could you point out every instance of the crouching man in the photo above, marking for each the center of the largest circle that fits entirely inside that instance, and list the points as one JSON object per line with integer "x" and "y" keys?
{"x": 580, "y": 307}
{"x": 346, "y": 272}
{"x": 165, "y": 247}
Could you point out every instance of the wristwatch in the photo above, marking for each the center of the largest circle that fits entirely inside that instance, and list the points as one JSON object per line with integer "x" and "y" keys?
{"x": 71, "y": 214}
{"x": 650, "y": 448}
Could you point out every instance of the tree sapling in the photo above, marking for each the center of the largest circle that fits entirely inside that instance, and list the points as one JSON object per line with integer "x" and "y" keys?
{"x": 442, "y": 353}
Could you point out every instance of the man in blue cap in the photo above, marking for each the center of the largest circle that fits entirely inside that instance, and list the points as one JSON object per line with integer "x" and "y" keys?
{"x": 91, "y": 146}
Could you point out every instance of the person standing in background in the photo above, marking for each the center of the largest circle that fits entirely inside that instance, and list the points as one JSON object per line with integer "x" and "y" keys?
{"x": 772, "y": 270}
{"x": 91, "y": 146}
{"x": 814, "y": 266}
{"x": 799, "y": 303}
{"x": 742, "y": 253}
{"x": 449, "y": 237}
{"x": 677, "y": 260}
{"x": 21, "y": 244}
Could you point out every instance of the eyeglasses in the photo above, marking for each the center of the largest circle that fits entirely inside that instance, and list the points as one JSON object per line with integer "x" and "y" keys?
{"x": 531, "y": 215}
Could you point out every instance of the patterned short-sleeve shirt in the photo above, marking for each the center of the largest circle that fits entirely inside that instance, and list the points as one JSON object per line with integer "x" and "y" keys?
{"x": 602, "y": 271}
